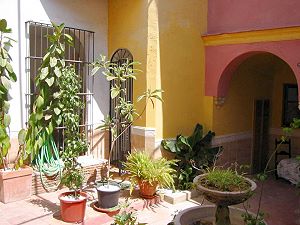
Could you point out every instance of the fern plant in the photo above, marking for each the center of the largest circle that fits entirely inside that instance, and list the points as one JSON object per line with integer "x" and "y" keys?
{"x": 143, "y": 168}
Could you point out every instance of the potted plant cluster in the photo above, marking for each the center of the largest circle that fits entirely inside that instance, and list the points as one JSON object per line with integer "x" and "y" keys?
{"x": 108, "y": 194}
{"x": 15, "y": 179}
{"x": 149, "y": 173}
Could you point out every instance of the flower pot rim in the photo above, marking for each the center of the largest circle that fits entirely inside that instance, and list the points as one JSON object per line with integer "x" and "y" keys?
{"x": 102, "y": 188}
{"x": 204, "y": 189}
{"x": 83, "y": 194}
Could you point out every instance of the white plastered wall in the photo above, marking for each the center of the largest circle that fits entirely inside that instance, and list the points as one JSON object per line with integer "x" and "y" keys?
{"x": 88, "y": 14}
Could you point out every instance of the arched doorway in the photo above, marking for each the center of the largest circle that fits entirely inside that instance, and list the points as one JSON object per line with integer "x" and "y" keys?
{"x": 254, "y": 104}
{"x": 123, "y": 144}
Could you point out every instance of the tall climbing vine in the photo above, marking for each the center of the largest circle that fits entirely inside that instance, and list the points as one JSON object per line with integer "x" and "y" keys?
{"x": 75, "y": 142}
{"x": 7, "y": 75}
{"x": 47, "y": 108}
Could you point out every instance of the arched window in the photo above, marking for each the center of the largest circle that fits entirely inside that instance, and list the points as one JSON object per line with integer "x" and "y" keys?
{"x": 123, "y": 144}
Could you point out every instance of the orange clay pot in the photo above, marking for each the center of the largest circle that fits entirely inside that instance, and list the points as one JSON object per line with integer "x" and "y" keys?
{"x": 72, "y": 210}
{"x": 147, "y": 189}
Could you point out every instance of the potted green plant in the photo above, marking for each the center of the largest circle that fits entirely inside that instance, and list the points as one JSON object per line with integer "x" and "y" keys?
{"x": 73, "y": 202}
{"x": 196, "y": 148}
{"x": 15, "y": 179}
{"x": 148, "y": 173}
{"x": 126, "y": 115}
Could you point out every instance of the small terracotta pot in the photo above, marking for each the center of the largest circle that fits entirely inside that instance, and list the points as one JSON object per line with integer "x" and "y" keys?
{"x": 147, "y": 189}
{"x": 72, "y": 211}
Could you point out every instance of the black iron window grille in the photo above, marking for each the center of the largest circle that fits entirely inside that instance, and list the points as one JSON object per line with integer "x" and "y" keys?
{"x": 123, "y": 144}
{"x": 81, "y": 54}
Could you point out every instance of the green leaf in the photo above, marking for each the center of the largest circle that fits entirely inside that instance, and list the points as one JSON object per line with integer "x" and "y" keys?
{"x": 44, "y": 73}
{"x": 6, "y": 120}
{"x": 56, "y": 94}
{"x": 6, "y": 106}
{"x": 9, "y": 67}
{"x": 57, "y": 111}
{"x": 2, "y": 62}
{"x": 114, "y": 92}
{"x": 53, "y": 61}
{"x": 50, "y": 81}
{"x": 46, "y": 56}
{"x": 21, "y": 136}
{"x": 48, "y": 117}
{"x": 5, "y": 82}
{"x": 57, "y": 71}
{"x": 3, "y": 25}
{"x": 39, "y": 101}
{"x": 95, "y": 70}
{"x": 13, "y": 76}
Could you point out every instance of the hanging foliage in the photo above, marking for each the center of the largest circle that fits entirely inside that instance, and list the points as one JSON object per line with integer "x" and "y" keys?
{"x": 7, "y": 75}
{"x": 47, "y": 107}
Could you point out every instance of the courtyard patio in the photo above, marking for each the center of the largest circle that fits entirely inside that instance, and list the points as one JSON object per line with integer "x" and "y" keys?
{"x": 280, "y": 202}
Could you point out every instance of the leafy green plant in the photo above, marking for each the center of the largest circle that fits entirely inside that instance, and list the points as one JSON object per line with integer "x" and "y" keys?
{"x": 196, "y": 148}
{"x": 126, "y": 216}
{"x": 47, "y": 107}
{"x": 142, "y": 167}
{"x": 125, "y": 111}
{"x": 75, "y": 142}
{"x": 7, "y": 75}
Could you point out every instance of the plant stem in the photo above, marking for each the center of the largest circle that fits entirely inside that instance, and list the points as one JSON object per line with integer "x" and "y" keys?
{"x": 119, "y": 135}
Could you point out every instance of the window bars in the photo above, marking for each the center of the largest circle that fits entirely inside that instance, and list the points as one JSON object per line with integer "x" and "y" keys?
{"x": 81, "y": 54}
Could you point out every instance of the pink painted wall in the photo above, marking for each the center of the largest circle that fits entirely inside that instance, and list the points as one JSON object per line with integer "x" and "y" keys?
{"x": 221, "y": 61}
{"x": 227, "y": 16}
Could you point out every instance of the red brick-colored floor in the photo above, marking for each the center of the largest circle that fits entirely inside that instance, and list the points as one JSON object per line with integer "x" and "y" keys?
{"x": 280, "y": 202}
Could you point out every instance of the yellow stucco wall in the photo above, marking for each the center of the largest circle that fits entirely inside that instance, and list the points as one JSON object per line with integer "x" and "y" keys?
{"x": 259, "y": 77}
{"x": 182, "y": 61}
{"x": 127, "y": 28}
{"x": 166, "y": 38}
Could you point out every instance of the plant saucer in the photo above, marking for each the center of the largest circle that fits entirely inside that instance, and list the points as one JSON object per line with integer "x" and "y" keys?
{"x": 110, "y": 211}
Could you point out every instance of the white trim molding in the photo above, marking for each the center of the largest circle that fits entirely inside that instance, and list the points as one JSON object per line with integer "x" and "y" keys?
{"x": 143, "y": 131}
{"x": 217, "y": 140}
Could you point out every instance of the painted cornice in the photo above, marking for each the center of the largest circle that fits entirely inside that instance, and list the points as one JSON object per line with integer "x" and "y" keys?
{"x": 278, "y": 34}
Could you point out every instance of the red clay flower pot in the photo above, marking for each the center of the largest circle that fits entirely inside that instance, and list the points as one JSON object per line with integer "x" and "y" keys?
{"x": 147, "y": 189}
{"x": 72, "y": 210}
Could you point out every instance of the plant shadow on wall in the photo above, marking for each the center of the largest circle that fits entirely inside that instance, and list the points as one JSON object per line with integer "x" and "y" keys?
{"x": 125, "y": 114}
{"x": 195, "y": 148}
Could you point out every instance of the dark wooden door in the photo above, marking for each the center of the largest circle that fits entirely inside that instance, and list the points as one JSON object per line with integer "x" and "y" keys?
{"x": 260, "y": 135}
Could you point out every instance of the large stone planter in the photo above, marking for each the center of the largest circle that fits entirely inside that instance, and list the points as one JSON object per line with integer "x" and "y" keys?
{"x": 15, "y": 185}
{"x": 223, "y": 199}
{"x": 206, "y": 213}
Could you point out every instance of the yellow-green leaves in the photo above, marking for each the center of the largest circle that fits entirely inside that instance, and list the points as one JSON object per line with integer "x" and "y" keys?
{"x": 53, "y": 61}
{"x": 50, "y": 81}
{"x": 21, "y": 136}
{"x": 44, "y": 72}
{"x": 40, "y": 101}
